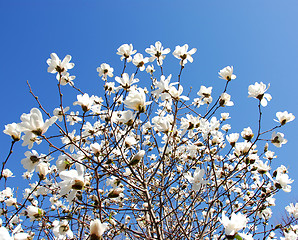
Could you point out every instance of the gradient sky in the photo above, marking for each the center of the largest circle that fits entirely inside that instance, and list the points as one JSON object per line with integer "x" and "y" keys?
{"x": 259, "y": 38}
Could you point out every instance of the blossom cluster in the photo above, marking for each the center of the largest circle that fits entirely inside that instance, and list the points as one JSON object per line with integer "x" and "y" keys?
{"x": 144, "y": 160}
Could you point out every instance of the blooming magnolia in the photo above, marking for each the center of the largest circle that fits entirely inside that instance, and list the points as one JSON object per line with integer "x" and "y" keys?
{"x": 278, "y": 139}
{"x": 137, "y": 158}
{"x": 84, "y": 101}
{"x": 236, "y": 223}
{"x": 139, "y": 61}
{"x": 225, "y": 100}
{"x": 31, "y": 160}
{"x": 33, "y": 123}
{"x": 65, "y": 78}
{"x": 97, "y": 228}
{"x": 126, "y": 81}
{"x": 157, "y": 52}
{"x": 136, "y": 100}
{"x": 61, "y": 229}
{"x": 258, "y": 91}
{"x": 227, "y": 73}
{"x": 125, "y": 51}
{"x": 56, "y": 65}
{"x": 72, "y": 180}
{"x": 144, "y": 162}
{"x": 283, "y": 181}
{"x": 284, "y": 117}
{"x": 105, "y": 70}
{"x": 197, "y": 180}
{"x": 183, "y": 54}
{"x": 34, "y": 213}
{"x": 13, "y": 130}
{"x": 292, "y": 209}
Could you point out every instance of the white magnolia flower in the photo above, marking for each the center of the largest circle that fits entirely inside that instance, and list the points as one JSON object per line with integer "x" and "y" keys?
{"x": 183, "y": 54}
{"x": 109, "y": 87}
{"x": 58, "y": 112}
{"x": 226, "y": 127}
{"x": 33, "y": 123}
{"x": 4, "y": 234}
{"x": 283, "y": 181}
{"x": 139, "y": 61}
{"x": 55, "y": 64}
{"x": 43, "y": 169}
{"x": 34, "y": 213}
{"x": 278, "y": 139}
{"x": 126, "y": 117}
{"x": 125, "y": 51}
{"x": 105, "y": 70}
{"x": 247, "y": 134}
{"x": 265, "y": 213}
{"x": 270, "y": 155}
{"x": 62, "y": 230}
{"x": 136, "y": 100}
{"x": 157, "y": 52}
{"x": 224, "y": 116}
{"x": 72, "y": 180}
{"x": 96, "y": 148}
{"x": 71, "y": 140}
{"x": 73, "y": 118}
{"x": 205, "y": 92}
{"x": 176, "y": 93}
{"x": 232, "y": 138}
{"x": 258, "y": 91}
{"x": 97, "y": 229}
{"x": 290, "y": 235}
{"x": 13, "y": 130}
{"x": 197, "y": 180}
{"x": 137, "y": 158}
{"x": 284, "y": 117}
{"x": 22, "y": 236}
{"x": 225, "y": 100}
{"x": 31, "y": 160}
{"x": 84, "y": 101}
{"x": 65, "y": 79}
{"x": 11, "y": 202}
{"x": 227, "y": 73}
{"x": 63, "y": 163}
{"x": 163, "y": 86}
{"x": 125, "y": 81}
{"x": 232, "y": 226}
{"x": 7, "y": 173}
{"x": 292, "y": 209}
{"x": 150, "y": 69}
{"x": 129, "y": 141}
{"x": 262, "y": 167}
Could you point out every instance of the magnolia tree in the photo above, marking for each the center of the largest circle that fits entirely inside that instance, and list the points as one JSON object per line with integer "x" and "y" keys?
{"x": 144, "y": 161}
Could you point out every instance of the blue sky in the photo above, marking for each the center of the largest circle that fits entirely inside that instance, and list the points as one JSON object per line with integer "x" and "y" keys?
{"x": 259, "y": 38}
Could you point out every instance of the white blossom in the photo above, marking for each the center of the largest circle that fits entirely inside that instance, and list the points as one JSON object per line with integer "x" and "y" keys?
{"x": 258, "y": 91}
{"x": 13, "y": 130}
{"x": 227, "y": 73}
{"x": 139, "y": 61}
{"x": 157, "y": 52}
{"x": 278, "y": 139}
{"x": 197, "y": 180}
{"x": 125, "y": 51}
{"x": 136, "y": 100}
{"x": 56, "y": 65}
{"x": 105, "y": 70}
{"x": 183, "y": 54}
{"x": 97, "y": 228}
{"x": 236, "y": 223}
{"x": 284, "y": 117}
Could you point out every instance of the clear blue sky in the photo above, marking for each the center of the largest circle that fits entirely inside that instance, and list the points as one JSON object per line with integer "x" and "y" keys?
{"x": 259, "y": 38}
